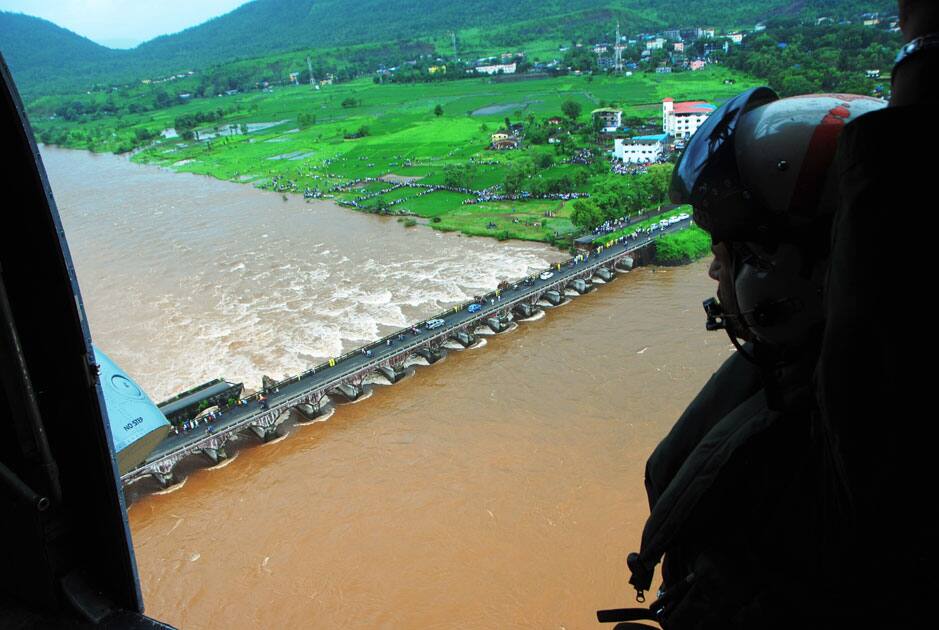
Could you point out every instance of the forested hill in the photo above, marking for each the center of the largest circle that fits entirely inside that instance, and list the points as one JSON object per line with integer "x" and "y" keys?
{"x": 38, "y": 50}
{"x": 47, "y": 58}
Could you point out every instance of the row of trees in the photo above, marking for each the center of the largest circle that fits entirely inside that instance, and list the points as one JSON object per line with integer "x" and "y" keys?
{"x": 622, "y": 196}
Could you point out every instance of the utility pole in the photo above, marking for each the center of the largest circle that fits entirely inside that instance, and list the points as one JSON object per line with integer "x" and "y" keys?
{"x": 618, "y": 51}
{"x": 453, "y": 39}
{"x": 309, "y": 66}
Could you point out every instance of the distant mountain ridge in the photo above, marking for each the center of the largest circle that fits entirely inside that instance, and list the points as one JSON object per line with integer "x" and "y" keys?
{"x": 45, "y": 57}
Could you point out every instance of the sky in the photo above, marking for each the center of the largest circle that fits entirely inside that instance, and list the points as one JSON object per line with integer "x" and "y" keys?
{"x": 123, "y": 23}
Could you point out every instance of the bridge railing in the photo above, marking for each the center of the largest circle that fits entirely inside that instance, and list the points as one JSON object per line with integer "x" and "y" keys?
{"x": 415, "y": 343}
{"x": 483, "y": 313}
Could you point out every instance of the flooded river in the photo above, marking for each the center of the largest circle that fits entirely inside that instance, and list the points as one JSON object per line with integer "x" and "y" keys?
{"x": 501, "y": 488}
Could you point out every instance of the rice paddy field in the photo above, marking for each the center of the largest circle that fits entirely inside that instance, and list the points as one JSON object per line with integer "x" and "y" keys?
{"x": 296, "y": 138}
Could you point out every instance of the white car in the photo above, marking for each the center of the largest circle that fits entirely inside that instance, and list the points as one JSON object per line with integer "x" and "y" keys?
{"x": 434, "y": 323}
{"x": 672, "y": 220}
{"x": 545, "y": 275}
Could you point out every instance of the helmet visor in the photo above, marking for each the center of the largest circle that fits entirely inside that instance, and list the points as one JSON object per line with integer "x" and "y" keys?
{"x": 707, "y": 176}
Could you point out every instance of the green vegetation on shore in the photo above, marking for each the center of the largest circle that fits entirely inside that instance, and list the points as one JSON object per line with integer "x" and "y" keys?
{"x": 339, "y": 140}
{"x": 683, "y": 247}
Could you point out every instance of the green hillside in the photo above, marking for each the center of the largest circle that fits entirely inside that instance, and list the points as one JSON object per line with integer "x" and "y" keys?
{"x": 45, "y": 58}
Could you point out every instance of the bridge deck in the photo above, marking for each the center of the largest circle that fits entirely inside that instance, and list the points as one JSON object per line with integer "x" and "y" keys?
{"x": 312, "y": 385}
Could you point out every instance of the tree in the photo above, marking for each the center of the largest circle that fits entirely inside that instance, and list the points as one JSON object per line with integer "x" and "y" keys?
{"x": 544, "y": 160}
{"x": 456, "y": 175}
{"x": 571, "y": 109}
{"x": 586, "y": 215}
{"x": 438, "y": 110}
{"x": 661, "y": 177}
{"x": 517, "y": 173}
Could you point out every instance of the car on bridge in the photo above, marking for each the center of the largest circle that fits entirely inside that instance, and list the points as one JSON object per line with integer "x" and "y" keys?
{"x": 546, "y": 274}
{"x": 434, "y": 323}
{"x": 474, "y": 308}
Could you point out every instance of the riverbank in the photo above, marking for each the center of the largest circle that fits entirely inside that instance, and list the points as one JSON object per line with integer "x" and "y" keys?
{"x": 231, "y": 281}
{"x": 323, "y": 142}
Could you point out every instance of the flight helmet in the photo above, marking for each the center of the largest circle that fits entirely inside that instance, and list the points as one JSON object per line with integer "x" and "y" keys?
{"x": 758, "y": 174}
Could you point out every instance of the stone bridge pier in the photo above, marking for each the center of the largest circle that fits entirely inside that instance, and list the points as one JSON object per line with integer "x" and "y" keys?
{"x": 393, "y": 373}
{"x": 266, "y": 427}
{"x": 604, "y": 274}
{"x": 309, "y": 411}
{"x": 214, "y": 450}
{"x": 497, "y": 324}
{"x": 579, "y": 284}
{"x": 164, "y": 474}
{"x": 464, "y": 338}
{"x": 553, "y": 297}
{"x": 348, "y": 391}
{"x": 525, "y": 310}
{"x": 432, "y": 355}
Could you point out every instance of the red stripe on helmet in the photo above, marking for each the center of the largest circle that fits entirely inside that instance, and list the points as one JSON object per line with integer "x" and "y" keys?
{"x": 819, "y": 156}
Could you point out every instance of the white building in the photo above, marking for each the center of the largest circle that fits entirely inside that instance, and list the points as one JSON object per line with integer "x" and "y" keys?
{"x": 504, "y": 68}
{"x": 655, "y": 44}
{"x": 610, "y": 117}
{"x": 639, "y": 150}
{"x": 681, "y": 120}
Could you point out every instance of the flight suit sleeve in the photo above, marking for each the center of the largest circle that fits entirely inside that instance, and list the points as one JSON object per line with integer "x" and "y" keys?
{"x": 734, "y": 382}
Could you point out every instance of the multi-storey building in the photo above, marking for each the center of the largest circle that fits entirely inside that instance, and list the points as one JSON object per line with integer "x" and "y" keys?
{"x": 681, "y": 120}
{"x": 639, "y": 150}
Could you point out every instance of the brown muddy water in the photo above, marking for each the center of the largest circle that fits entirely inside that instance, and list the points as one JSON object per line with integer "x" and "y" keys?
{"x": 500, "y": 488}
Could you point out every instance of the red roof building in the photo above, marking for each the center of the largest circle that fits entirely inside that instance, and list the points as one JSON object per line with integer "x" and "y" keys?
{"x": 681, "y": 120}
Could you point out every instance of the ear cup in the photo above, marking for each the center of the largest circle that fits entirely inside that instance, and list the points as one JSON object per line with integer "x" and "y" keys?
{"x": 780, "y": 299}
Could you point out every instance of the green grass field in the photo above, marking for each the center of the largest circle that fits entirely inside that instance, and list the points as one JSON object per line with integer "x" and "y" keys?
{"x": 401, "y": 136}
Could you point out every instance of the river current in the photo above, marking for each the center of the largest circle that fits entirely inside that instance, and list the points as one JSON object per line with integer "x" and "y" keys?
{"x": 500, "y": 488}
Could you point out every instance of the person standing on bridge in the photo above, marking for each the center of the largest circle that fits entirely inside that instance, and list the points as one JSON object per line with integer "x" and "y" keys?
{"x": 738, "y": 490}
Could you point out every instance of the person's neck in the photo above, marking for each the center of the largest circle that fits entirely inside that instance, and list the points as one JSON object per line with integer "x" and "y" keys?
{"x": 915, "y": 80}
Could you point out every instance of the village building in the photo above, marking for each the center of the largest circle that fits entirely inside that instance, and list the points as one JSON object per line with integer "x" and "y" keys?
{"x": 663, "y": 70}
{"x": 640, "y": 150}
{"x": 505, "y": 144}
{"x": 673, "y": 33}
{"x": 697, "y": 64}
{"x": 678, "y": 46}
{"x": 736, "y": 38}
{"x": 499, "y": 135}
{"x": 610, "y": 118}
{"x": 681, "y": 120}
{"x": 437, "y": 69}
{"x": 555, "y": 120}
{"x": 655, "y": 44}
{"x": 497, "y": 68}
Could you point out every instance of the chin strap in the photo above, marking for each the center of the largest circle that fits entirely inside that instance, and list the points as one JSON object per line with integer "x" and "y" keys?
{"x": 717, "y": 319}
